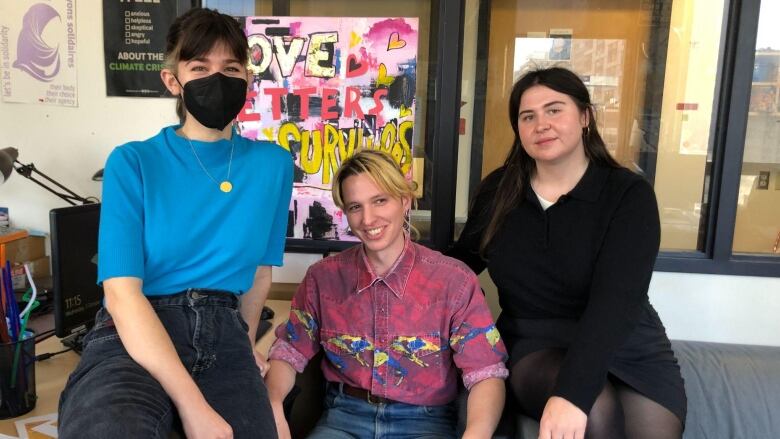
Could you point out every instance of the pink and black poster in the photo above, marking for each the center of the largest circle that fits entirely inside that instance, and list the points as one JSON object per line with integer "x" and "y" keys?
{"x": 324, "y": 88}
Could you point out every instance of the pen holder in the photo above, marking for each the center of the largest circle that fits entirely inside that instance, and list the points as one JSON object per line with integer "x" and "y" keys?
{"x": 17, "y": 377}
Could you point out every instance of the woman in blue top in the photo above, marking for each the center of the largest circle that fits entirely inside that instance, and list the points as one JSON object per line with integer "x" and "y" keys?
{"x": 192, "y": 221}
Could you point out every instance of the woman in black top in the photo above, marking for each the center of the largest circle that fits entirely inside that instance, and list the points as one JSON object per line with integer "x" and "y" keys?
{"x": 569, "y": 238}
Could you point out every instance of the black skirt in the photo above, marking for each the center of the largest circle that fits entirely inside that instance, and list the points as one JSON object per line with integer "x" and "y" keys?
{"x": 645, "y": 361}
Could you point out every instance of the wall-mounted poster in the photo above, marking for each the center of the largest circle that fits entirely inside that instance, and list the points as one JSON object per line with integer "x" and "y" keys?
{"x": 134, "y": 46}
{"x": 323, "y": 89}
{"x": 38, "y": 52}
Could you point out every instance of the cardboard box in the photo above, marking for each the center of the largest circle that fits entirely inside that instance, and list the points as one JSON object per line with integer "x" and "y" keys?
{"x": 30, "y": 250}
{"x": 25, "y": 249}
{"x": 38, "y": 268}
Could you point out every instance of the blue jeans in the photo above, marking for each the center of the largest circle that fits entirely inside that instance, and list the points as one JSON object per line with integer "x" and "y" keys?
{"x": 109, "y": 395}
{"x": 347, "y": 417}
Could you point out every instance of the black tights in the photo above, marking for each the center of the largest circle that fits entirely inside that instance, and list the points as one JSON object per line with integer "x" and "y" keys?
{"x": 619, "y": 411}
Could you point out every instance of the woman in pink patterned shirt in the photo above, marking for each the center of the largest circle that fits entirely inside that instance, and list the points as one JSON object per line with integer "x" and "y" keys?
{"x": 399, "y": 324}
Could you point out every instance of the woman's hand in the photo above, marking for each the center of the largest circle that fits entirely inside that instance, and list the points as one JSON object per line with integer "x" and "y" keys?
{"x": 562, "y": 420}
{"x": 203, "y": 422}
{"x": 261, "y": 362}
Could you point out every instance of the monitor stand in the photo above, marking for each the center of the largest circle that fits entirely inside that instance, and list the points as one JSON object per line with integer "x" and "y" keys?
{"x": 75, "y": 341}
{"x": 262, "y": 328}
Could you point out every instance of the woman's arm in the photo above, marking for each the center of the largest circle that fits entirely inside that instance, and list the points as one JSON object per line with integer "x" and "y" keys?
{"x": 148, "y": 343}
{"x": 252, "y": 305}
{"x": 618, "y": 291}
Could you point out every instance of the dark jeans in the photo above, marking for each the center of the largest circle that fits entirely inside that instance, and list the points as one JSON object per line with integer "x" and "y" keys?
{"x": 109, "y": 395}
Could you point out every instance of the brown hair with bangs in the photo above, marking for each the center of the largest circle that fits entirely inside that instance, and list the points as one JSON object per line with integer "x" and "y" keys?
{"x": 195, "y": 33}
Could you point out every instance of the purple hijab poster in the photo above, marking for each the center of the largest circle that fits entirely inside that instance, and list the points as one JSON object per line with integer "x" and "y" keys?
{"x": 38, "y": 52}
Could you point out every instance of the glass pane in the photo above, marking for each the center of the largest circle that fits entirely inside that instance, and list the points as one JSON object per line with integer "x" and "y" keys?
{"x": 757, "y": 229}
{"x": 395, "y": 75}
{"x": 651, "y": 69}
{"x": 466, "y": 137}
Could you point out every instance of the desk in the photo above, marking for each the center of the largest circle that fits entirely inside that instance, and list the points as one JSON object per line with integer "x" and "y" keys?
{"x": 52, "y": 374}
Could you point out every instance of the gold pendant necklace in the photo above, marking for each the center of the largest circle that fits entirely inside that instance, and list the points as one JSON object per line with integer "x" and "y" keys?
{"x": 226, "y": 186}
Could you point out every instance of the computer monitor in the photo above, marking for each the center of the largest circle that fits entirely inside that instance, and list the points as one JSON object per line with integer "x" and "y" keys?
{"x": 74, "y": 243}
{"x": 77, "y": 296}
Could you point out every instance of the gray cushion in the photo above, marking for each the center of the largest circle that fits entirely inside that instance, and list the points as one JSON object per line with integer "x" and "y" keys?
{"x": 733, "y": 390}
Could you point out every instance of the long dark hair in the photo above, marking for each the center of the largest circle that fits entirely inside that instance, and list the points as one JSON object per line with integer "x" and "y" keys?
{"x": 193, "y": 35}
{"x": 518, "y": 165}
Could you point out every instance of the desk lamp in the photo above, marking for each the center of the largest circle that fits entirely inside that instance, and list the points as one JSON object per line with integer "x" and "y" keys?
{"x": 9, "y": 163}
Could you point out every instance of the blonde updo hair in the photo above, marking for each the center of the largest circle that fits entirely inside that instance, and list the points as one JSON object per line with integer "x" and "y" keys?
{"x": 380, "y": 167}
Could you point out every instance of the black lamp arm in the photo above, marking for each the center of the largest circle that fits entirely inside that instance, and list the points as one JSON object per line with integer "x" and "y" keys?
{"x": 68, "y": 195}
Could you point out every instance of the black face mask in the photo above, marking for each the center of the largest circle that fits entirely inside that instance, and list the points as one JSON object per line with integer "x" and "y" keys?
{"x": 215, "y": 100}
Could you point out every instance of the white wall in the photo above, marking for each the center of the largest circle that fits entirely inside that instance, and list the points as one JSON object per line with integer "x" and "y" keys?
{"x": 730, "y": 309}
{"x": 70, "y": 144}
{"x": 726, "y": 309}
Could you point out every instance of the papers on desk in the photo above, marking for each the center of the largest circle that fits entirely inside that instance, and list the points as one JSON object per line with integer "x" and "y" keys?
{"x": 38, "y": 427}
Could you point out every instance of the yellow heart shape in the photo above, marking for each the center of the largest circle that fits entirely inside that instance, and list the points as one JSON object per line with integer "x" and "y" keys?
{"x": 269, "y": 133}
{"x": 405, "y": 111}
{"x": 382, "y": 78}
{"x": 354, "y": 40}
{"x": 395, "y": 42}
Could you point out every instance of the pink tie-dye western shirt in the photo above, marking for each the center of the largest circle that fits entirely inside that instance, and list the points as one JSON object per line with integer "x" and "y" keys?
{"x": 403, "y": 336}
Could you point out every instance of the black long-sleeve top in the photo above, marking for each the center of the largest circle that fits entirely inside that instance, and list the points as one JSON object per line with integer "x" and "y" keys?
{"x": 587, "y": 259}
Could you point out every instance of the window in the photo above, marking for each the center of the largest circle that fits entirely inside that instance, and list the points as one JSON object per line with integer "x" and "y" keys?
{"x": 667, "y": 78}
{"x": 653, "y": 86}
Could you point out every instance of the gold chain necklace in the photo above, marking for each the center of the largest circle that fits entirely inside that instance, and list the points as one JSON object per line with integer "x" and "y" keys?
{"x": 226, "y": 186}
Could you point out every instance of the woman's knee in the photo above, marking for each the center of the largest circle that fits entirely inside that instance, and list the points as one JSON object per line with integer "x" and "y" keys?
{"x": 532, "y": 379}
{"x": 114, "y": 398}
{"x": 606, "y": 418}
{"x": 645, "y": 418}
{"x": 114, "y": 421}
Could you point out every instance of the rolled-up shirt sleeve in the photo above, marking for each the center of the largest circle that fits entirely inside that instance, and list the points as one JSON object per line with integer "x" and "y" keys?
{"x": 497, "y": 370}
{"x": 281, "y": 350}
